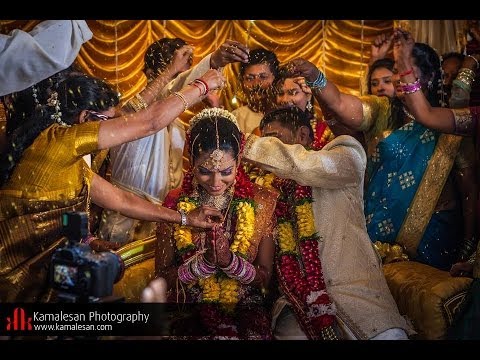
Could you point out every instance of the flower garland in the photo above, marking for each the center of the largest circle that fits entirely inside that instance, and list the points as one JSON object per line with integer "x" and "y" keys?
{"x": 298, "y": 259}
{"x": 323, "y": 135}
{"x": 218, "y": 287}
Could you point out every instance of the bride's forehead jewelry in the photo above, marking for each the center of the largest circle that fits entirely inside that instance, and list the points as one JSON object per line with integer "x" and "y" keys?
{"x": 216, "y": 158}
{"x": 212, "y": 113}
{"x": 217, "y": 155}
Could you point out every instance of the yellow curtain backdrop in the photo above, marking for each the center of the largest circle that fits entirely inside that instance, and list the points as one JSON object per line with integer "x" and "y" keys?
{"x": 115, "y": 53}
{"x": 341, "y": 48}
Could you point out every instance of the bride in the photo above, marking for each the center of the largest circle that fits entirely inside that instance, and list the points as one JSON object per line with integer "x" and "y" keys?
{"x": 226, "y": 270}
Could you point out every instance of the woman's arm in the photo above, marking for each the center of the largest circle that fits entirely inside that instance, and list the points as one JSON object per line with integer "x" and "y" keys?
{"x": 346, "y": 108}
{"x": 154, "y": 88}
{"x": 436, "y": 118}
{"x": 155, "y": 117}
{"x": 110, "y": 197}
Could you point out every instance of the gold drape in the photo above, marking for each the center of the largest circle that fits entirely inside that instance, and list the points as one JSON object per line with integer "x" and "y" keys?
{"x": 115, "y": 53}
{"x": 339, "y": 47}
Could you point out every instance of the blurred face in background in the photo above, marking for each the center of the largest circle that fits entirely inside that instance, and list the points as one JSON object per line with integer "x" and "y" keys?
{"x": 381, "y": 82}
{"x": 257, "y": 82}
{"x": 290, "y": 93}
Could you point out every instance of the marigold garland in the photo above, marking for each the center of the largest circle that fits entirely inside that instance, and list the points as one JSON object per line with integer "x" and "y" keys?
{"x": 297, "y": 253}
{"x": 218, "y": 287}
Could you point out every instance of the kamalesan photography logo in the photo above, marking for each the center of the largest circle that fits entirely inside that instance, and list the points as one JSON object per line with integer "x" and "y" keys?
{"x": 19, "y": 320}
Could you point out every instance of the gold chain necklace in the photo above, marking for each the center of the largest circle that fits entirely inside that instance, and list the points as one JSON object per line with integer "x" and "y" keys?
{"x": 219, "y": 202}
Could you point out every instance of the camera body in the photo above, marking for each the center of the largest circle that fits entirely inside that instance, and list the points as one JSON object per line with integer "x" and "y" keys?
{"x": 76, "y": 272}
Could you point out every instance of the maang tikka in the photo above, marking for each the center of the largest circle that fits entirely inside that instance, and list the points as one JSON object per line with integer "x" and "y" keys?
{"x": 217, "y": 155}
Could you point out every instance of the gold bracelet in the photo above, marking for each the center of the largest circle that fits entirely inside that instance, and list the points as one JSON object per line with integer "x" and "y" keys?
{"x": 181, "y": 97}
{"x": 467, "y": 72}
{"x": 141, "y": 101}
{"x": 135, "y": 104}
{"x": 476, "y": 61}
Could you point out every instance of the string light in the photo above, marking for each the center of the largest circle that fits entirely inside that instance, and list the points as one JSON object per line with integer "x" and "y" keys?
{"x": 361, "y": 53}
{"x": 116, "y": 56}
{"x": 250, "y": 24}
{"x": 324, "y": 44}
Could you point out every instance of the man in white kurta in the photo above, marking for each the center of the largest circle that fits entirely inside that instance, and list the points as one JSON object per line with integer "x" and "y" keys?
{"x": 352, "y": 270}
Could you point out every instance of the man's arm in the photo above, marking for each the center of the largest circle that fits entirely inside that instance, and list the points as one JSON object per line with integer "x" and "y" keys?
{"x": 340, "y": 164}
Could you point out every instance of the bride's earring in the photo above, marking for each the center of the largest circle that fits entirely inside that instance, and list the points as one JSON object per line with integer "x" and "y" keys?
{"x": 195, "y": 193}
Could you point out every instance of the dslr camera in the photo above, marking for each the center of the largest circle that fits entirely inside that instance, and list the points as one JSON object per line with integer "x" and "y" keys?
{"x": 76, "y": 272}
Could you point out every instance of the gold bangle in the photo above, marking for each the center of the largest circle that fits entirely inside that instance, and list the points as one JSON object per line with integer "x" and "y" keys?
{"x": 181, "y": 97}
{"x": 476, "y": 61}
{"x": 135, "y": 105}
{"x": 141, "y": 101}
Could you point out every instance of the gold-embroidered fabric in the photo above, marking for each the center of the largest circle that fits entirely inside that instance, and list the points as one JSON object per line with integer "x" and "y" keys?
{"x": 428, "y": 192}
{"x": 52, "y": 168}
{"x": 29, "y": 233}
{"x": 377, "y": 120}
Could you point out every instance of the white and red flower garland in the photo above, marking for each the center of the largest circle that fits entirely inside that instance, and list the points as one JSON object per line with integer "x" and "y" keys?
{"x": 298, "y": 262}
{"x": 297, "y": 256}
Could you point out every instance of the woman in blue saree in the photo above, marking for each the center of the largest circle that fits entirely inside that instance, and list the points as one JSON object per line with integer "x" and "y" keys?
{"x": 412, "y": 198}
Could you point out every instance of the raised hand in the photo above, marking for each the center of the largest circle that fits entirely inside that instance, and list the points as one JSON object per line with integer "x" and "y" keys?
{"x": 213, "y": 99}
{"x": 204, "y": 217}
{"x": 182, "y": 59}
{"x": 402, "y": 49}
{"x": 214, "y": 79}
{"x": 300, "y": 81}
{"x": 230, "y": 51}
{"x": 380, "y": 47}
{"x": 304, "y": 68}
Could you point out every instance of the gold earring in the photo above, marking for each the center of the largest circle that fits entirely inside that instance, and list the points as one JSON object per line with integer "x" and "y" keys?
{"x": 195, "y": 193}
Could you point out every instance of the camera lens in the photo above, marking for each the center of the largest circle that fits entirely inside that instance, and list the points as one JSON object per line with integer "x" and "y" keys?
{"x": 116, "y": 265}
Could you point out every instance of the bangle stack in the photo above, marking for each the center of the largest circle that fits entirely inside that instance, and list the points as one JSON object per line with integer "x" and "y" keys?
{"x": 319, "y": 83}
{"x": 410, "y": 88}
{"x": 240, "y": 269}
{"x": 201, "y": 85}
{"x": 181, "y": 97}
{"x": 195, "y": 269}
{"x": 465, "y": 79}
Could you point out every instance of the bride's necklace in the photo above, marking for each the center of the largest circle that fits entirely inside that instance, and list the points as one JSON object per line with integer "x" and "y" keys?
{"x": 219, "y": 202}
